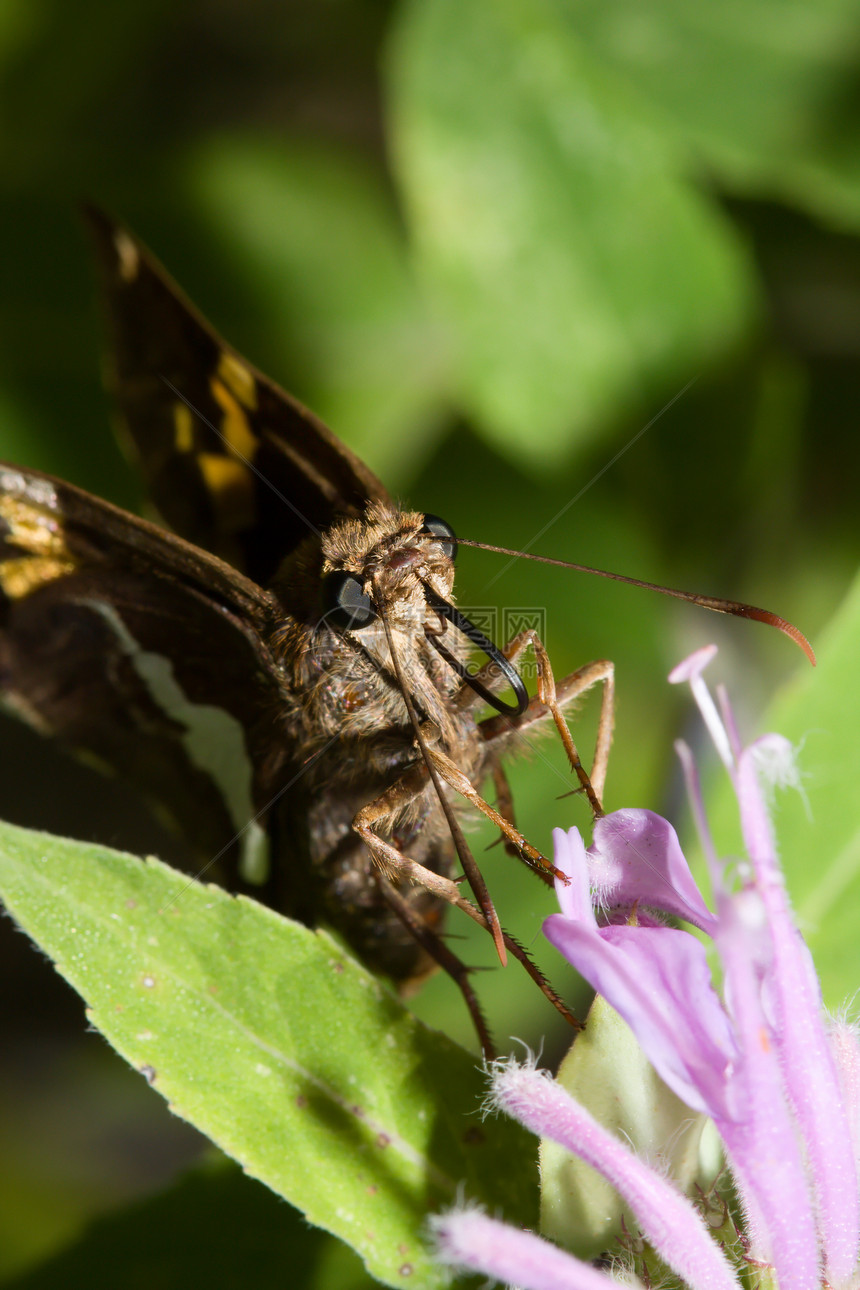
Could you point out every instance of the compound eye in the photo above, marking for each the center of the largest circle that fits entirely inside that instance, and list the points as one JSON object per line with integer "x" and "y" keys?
{"x": 345, "y": 603}
{"x": 442, "y": 530}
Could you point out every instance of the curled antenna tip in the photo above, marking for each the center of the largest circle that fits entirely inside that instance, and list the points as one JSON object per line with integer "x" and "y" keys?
{"x": 739, "y": 610}
{"x": 782, "y": 625}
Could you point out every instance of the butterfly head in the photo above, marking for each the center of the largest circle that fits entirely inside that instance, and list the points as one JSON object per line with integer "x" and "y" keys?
{"x": 385, "y": 566}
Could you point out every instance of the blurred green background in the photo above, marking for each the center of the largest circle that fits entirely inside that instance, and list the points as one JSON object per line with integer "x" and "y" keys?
{"x": 573, "y": 274}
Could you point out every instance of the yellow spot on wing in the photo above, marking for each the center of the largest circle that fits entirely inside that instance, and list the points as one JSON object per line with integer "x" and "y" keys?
{"x": 31, "y": 527}
{"x": 183, "y": 427}
{"x": 128, "y": 257}
{"x": 38, "y": 533}
{"x": 20, "y": 577}
{"x": 238, "y": 379}
{"x": 234, "y": 425}
{"x": 231, "y": 488}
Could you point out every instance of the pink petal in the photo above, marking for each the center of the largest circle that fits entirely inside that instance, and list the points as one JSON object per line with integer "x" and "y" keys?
{"x": 659, "y": 981}
{"x": 693, "y": 665}
{"x": 669, "y": 1221}
{"x": 760, "y": 1136}
{"x": 574, "y": 896}
{"x": 691, "y": 670}
{"x": 636, "y": 859}
{"x": 845, "y": 1048}
{"x": 470, "y": 1240}
{"x": 799, "y": 1034}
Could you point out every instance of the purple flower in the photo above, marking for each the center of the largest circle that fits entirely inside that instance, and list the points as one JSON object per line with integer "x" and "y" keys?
{"x": 779, "y": 1081}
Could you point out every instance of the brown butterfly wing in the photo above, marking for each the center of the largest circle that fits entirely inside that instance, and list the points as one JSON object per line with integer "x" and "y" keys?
{"x": 232, "y": 462}
{"x": 143, "y": 654}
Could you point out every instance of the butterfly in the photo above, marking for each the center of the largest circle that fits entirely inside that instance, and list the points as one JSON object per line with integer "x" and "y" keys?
{"x": 281, "y": 667}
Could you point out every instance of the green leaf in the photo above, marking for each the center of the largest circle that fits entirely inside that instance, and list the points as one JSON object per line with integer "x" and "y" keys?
{"x": 764, "y": 90}
{"x": 291, "y": 1057}
{"x": 576, "y": 269}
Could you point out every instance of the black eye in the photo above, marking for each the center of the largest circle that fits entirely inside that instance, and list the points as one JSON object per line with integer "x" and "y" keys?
{"x": 346, "y": 606}
{"x": 440, "y": 529}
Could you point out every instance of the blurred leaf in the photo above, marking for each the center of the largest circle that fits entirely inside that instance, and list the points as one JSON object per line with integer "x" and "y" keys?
{"x": 58, "y": 64}
{"x": 268, "y": 1038}
{"x": 576, "y": 270}
{"x": 215, "y": 1227}
{"x": 318, "y": 241}
{"x": 766, "y": 90}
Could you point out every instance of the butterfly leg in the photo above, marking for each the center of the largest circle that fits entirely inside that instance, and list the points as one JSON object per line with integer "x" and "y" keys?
{"x": 504, "y": 799}
{"x": 397, "y": 868}
{"x": 552, "y": 698}
{"x": 456, "y": 779}
{"x": 436, "y": 948}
